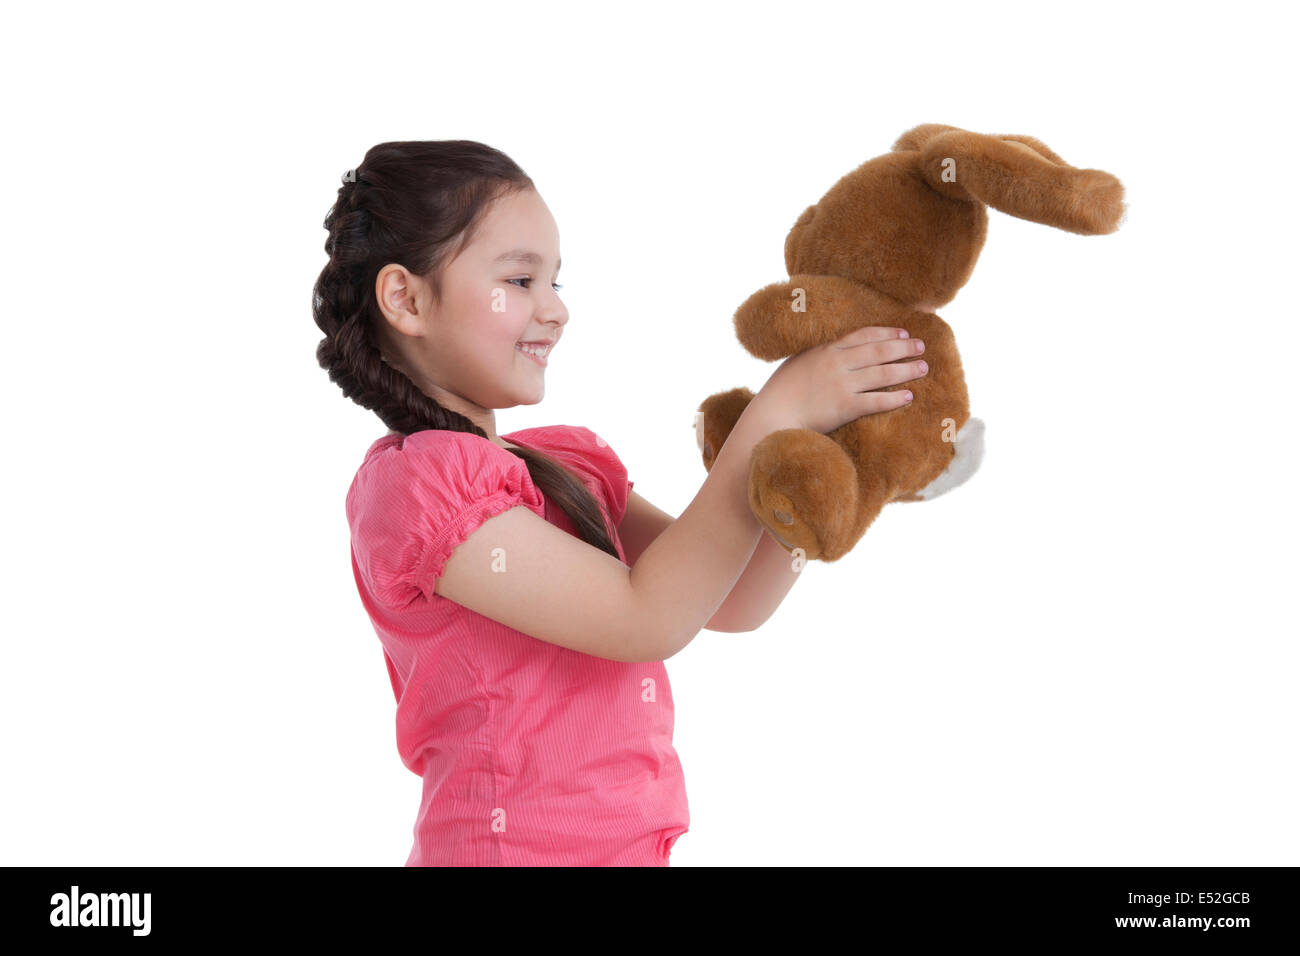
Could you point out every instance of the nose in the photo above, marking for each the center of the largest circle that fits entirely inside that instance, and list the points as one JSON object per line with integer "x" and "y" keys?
{"x": 555, "y": 313}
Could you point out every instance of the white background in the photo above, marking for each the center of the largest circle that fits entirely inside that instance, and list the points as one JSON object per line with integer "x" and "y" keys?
{"x": 1086, "y": 655}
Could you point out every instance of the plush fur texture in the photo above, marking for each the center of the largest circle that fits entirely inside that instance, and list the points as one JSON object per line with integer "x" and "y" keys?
{"x": 890, "y": 242}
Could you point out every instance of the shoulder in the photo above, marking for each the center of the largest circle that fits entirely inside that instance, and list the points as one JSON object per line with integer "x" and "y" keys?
{"x": 437, "y": 474}
{"x": 572, "y": 439}
{"x": 586, "y": 451}
{"x": 571, "y": 443}
{"x": 431, "y": 454}
{"x": 415, "y": 497}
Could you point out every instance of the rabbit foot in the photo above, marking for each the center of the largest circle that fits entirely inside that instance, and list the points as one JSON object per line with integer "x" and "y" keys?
{"x": 716, "y": 417}
{"x": 803, "y": 489}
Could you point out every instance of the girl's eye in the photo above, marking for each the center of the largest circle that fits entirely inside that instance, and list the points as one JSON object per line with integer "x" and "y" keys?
{"x": 554, "y": 285}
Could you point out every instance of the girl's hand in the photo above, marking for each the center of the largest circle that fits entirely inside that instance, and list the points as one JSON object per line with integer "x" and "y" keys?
{"x": 831, "y": 385}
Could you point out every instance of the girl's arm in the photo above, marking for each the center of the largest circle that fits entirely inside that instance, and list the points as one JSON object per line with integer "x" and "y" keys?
{"x": 762, "y": 586}
{"x": 521, "y": 570}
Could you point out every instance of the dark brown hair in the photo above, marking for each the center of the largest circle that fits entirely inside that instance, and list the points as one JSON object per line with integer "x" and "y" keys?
{"x": 418, "y": 204}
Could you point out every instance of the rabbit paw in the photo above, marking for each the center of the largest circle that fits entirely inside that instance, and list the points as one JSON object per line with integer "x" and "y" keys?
{"x": 803, "y": 489}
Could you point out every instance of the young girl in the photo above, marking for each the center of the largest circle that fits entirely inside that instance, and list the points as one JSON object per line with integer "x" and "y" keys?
{"x": 525, "y": 597}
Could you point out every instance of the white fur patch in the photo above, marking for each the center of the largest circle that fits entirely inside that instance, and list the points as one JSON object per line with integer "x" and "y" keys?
{"x": 970, "y": 452}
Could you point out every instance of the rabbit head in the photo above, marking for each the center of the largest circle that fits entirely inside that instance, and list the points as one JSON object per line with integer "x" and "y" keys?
{"x": 911, "y": 223}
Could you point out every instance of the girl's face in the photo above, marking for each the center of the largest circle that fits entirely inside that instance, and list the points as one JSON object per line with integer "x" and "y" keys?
{"x": 500, "y": 291}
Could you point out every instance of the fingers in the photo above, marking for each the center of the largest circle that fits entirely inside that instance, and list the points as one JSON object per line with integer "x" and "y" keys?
{"x": 882, "y": 376}
{"x": 885, "y": 350}
{"x": 872, "y": 402}
{"x": 877, "y": 361}
{"x": 870, "y": 333}
{"x": 867, "y": 380}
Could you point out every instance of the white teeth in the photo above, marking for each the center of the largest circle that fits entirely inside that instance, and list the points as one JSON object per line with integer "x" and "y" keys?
{"x": 533, "y": 349}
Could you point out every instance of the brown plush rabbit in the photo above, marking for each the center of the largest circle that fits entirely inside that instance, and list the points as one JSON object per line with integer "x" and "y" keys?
{"x": 889, "y": 243}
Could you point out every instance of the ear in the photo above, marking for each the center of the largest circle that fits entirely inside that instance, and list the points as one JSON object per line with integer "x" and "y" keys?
{"x": 1020, "y": 176}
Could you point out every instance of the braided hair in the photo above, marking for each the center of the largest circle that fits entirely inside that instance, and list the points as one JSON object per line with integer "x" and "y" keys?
{"x": 418, "y": 204}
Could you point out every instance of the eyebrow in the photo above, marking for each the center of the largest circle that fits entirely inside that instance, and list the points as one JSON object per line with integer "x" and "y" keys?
{"x": 524, "y": 255}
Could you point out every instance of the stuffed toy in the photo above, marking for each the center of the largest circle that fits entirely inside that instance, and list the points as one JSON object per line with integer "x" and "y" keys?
{"x": 889, "y": 243}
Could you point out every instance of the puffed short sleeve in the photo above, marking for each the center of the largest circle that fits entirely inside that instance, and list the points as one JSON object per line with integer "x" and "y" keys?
{"x": 412, "y": 503}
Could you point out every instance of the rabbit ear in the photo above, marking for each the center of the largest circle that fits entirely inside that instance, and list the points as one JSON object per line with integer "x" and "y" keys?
{"x": 1020, "y": 176}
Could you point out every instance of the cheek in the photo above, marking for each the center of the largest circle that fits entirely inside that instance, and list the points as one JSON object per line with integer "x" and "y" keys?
{"x": 507, "y": 329}
{"x": 496, "y": 318}
{"x": 499, "y": 301}
{"x": 509, "y": 325}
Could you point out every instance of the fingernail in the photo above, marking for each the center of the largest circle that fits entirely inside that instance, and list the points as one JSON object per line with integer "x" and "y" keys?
{"x": 902, "y": 333}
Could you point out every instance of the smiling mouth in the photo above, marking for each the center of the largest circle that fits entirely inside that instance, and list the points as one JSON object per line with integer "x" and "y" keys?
{"x": 538, "y": 356}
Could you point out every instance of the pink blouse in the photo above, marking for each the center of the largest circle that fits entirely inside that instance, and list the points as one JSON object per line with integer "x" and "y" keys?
{"x": 531, "y": 754}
